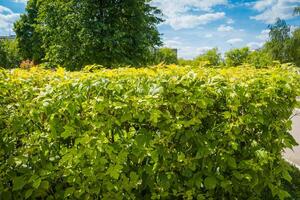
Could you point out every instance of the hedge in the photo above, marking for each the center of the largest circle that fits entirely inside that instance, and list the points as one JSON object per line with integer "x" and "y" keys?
{"x": 164, "y": 132}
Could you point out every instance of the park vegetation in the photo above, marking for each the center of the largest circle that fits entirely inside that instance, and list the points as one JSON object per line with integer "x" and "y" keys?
{"x": 93, "y": 107}
{"x": 151, "y": 133}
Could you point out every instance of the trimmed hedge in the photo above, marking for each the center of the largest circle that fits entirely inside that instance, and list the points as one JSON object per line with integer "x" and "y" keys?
{"x": 157, "y": 133}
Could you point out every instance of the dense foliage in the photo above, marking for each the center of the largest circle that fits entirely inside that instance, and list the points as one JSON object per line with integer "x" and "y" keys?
{"x": 283, "y": 45}
{"x": 212, "y": 57}
{"x": 151, "y": 133}
{"x": 76, "y": 33}
{"x": 236, "y": 57}
{"x": 165, "y": 55}
{"x": 28, "y": 37}
{"x": 10, "y": 56}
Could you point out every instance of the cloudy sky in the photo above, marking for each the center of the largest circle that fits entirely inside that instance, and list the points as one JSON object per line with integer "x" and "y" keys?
{"x": 194, "y": 26}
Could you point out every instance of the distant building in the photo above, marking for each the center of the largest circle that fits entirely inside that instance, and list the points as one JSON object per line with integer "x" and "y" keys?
{"x": 176, "y": 52}
{"x": 11, "y": 37}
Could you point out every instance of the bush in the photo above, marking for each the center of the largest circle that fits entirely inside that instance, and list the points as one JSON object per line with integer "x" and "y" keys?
{"x": 157, "y": 133}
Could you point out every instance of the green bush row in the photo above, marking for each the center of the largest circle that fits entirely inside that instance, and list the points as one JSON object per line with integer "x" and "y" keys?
{"x": 158, "y": 133}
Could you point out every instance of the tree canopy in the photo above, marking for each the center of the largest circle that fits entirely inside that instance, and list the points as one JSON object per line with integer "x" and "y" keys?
{"x": 75, "y": 33}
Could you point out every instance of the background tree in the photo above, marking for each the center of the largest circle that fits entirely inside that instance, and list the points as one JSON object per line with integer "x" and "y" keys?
{"x": 295, "y": 47}
{"x": 297, "y": 11}
{"x": 279, "y": 41}
{"x": 29, "y": 40}
{"x": 77, "y": 33}
{"x": 259, "y": 59}
{"x": 212, "y": 56}
{"x": 236, "y": 57}
{"x": 3, "y": 55}
{"x": 166, "y": 55}
{"x": 9, "y": 54}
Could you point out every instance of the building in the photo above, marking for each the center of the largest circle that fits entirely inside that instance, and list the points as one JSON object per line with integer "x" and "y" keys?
{"x": 11, "y": 37}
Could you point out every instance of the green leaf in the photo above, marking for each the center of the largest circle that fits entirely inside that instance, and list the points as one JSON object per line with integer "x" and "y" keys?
{"x": 18, "y": 183}
{"x": 28, "y": 193}
{"x": 210, "y": 182}
{"x": 114, "y": 171}
{"x": 181, "y": 157}
{"x": 231, "y": 162}
{"x": 283, "y": 194}
{"x": 69, "y": 191}
{"x": 69, "y": 130}
{"x": 36, "y": 183}
{"x": 286, "y": 176}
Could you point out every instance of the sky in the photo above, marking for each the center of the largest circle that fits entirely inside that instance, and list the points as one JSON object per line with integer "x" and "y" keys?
{"x": 194, "y": 26}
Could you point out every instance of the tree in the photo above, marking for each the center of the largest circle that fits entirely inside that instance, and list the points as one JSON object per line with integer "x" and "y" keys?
{"x": 76, "y": 33}
{"x": 212, "y": 56}
{"x": 12, "y": 53}
{"x": 166, "y": 55}
{"x": 3, "y": 55}
{"x": 279, "y": 44}
{"x": 295, "y": 47}
{"x": 9, "y": 54}
{"x": 297, "y": 11}
{"x": 28, "y": 38}
{"x": 259, "y": 59}
{"x": 236, "y": 57}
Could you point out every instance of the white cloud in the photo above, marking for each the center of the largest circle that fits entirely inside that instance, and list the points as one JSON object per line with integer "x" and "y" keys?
{"x": 230, "y": 21}
{"x": 264, "y": 35}
{"x": 234, "y": 40}
{"x": 20, "y": 1}
{"x": 208, "y": 35}
{"x": 201, "y": 50}
{"x": 224, "y": 28}
{"x": 177, "y": 12}
{"x": 255, "y": 45}
{"x": 192, "y": 21}
{"x": 7, "y": 18}
{"x": 270, "y": 10}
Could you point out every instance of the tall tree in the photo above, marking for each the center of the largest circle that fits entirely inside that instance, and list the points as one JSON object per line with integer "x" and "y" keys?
{"x": 29, "y": 40}
{"x": 279, "y": 41}
{"x": 3, "y": 55}
{"x": 297, "y": 10}
{"x": 108, "y": 32}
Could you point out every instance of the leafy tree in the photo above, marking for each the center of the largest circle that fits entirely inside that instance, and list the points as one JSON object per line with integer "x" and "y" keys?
{"x": 9, "y": 54}
{"x": 3, "y": 55}
{"x": 213, "y": 57}
{"x": 279, "y": 44}
{"x": 297, "y": 11}
{"x": 295, "y": 47}
{"x": 259, "y": 59}
{"x": 14, "y": 57}
{"x": 76, "y": 33}
{"x": 236, "y": 57}
{"x": 29, "y": 40}
{"x": 166, "y": 55}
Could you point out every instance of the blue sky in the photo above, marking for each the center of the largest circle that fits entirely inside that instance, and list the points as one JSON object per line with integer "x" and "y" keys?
{"x": 194, "y": 26}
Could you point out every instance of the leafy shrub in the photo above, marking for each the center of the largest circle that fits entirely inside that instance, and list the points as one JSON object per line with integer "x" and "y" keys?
{"x": 158, "y": 133}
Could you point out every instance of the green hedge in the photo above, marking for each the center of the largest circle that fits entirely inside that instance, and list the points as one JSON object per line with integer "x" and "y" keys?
{"x": 158, "y": 133}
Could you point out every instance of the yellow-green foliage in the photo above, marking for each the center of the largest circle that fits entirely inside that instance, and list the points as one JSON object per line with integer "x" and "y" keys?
{"x": 164, "y": 132}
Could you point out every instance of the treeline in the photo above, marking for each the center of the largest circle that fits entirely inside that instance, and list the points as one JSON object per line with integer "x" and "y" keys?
{"x": 73, "y": 34}
{"x": 283, "y": 46}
